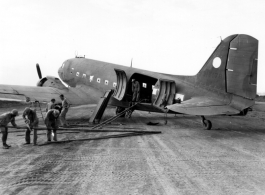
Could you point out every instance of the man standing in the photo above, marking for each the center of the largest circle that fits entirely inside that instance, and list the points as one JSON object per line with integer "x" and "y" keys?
{"x": 65, "y": 107}
{"x": 51, "y": 121}
{"x": 32, "y": 121}
{"x": 135, "y": 98}
{"x": 4, "y": 120}
{"x": 135, "y": 90}
{"x": 50, "y": 105}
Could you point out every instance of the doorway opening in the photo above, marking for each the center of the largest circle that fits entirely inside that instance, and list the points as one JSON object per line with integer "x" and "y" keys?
{"x": 147, "y": 84}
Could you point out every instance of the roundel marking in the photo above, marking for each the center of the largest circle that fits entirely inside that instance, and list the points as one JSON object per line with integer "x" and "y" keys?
{"x": 217, "y": 62}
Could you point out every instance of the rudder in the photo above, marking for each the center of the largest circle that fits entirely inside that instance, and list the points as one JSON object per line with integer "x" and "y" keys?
{"x": 241, "y": 74}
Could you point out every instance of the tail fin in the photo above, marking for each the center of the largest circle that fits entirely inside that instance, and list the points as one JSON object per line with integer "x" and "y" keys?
{"x": 232, "y": 67}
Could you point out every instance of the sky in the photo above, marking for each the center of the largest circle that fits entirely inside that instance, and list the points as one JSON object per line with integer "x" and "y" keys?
{"x": 172, "y": 36}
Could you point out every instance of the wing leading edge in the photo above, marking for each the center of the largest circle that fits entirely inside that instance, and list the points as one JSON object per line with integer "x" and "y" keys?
{"x": 41, "y": 94}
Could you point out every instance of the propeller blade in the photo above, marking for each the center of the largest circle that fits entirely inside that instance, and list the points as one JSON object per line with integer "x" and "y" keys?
{"x": 38, "y": 70}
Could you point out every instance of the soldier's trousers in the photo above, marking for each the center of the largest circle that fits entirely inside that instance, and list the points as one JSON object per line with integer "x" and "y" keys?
{"x": 27, "y": 136}
{"x": 4, "y": 131}
{"x": 49, "y": 135}
{"x": 63, "y": 115}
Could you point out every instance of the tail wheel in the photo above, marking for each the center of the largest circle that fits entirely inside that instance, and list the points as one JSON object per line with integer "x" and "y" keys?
{"x": 207, "y": 124}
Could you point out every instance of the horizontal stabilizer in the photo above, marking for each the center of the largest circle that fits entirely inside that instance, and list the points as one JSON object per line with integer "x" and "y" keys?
{"x": 259, "y": 106}
{"x": 203, "y": 106}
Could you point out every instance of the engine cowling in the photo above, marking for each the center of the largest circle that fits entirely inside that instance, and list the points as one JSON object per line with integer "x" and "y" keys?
{"x": 50, "y": 81}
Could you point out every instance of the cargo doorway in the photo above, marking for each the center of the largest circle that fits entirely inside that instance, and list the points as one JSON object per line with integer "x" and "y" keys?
{"x": 146, "y": 86}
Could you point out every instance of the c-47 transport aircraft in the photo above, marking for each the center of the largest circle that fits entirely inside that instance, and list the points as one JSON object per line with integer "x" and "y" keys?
{"x": 226, "y": 84}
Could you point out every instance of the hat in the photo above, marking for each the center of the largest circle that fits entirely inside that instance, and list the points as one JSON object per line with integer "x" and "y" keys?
{"x": 14, "y": 112}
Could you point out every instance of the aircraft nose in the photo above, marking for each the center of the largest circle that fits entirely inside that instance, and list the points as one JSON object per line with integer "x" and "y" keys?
{"x": 61, "y": 71}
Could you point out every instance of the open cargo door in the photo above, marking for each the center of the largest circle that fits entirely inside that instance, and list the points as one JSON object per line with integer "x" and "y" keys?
{"x": 164, "y": 93}
{"x": 121, "y": 84}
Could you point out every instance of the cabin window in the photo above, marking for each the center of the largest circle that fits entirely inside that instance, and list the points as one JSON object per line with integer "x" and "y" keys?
{"x": 98, "y": 80}
{"x": 106, "y": 82}
{"x": 114, "y": 84}
{"x": 91, "y": 78}
{"x": 144, "y": 85}
{"x": 84, "y": 76}
{"x": 77, "y": 74}
{"x": 155, "y": 90}
{"x": 179, "y": 96}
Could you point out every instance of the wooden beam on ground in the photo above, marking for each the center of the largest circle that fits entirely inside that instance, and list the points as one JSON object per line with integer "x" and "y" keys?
{"x": 57, "y": 133}
{"x": 90, "y": 130}
{"x": 95, "y": 138}
{"x": 111, "y": 127}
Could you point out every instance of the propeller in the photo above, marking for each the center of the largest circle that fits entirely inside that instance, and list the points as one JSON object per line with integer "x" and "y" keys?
{"x": 38, "y": 70}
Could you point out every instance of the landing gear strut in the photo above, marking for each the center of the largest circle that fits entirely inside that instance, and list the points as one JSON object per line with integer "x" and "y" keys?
{"x": 206, "y": 123}
{"x": 165, "y": 116}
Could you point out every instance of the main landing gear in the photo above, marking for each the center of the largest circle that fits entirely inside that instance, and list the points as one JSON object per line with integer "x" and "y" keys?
{"x": 119, "y": 110}
{"x": 206, "y": 123}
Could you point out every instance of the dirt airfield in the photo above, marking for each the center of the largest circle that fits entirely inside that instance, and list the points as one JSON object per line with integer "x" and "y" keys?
{"x": 183, "y": 159}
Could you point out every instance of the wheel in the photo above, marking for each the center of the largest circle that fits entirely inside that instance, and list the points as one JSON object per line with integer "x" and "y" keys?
{"x": 119, "y": 110}
{"x": 207, "y": 124}
{"x": 128, "y": 114}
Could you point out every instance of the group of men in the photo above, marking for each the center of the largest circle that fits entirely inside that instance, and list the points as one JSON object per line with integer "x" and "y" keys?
{"x": 55, "y": 117}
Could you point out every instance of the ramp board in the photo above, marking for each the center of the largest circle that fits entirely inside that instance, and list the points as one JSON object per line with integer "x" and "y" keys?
{"x": 101, "y": 106}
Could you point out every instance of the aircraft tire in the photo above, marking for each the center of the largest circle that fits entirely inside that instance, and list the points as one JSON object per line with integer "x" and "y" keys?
{"x": 119, "y": 110}
{"x": 207, "y": 124}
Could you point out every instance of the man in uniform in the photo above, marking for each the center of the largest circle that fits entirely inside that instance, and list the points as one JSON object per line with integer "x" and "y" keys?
{"x": 135, "y": 98}
{"x": 135, "y": 90}
{"x": 50, "y": 105}
{"x": 4, "y": 120}
{"x": 51, "y": 121}
{"x": 32, "y": 121}
{"x": 65, "y": 107}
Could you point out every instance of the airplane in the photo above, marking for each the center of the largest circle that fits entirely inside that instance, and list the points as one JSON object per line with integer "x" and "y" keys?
{"x": 225, "y": 85}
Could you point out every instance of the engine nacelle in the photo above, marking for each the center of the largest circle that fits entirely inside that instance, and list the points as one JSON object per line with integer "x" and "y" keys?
{"x": 50, "y": 81}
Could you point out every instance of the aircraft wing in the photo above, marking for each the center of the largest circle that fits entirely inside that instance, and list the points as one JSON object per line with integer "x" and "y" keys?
{"x": 41, "y": 94}
{"x": 203, "y": 106}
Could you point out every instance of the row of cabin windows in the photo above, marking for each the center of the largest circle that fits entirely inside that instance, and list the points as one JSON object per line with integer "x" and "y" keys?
{"x": 98, "y": 79}
{"x": 106, "y": 81}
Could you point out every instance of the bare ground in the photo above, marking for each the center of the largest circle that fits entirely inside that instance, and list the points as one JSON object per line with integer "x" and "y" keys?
{"x": 184, "y": 159}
